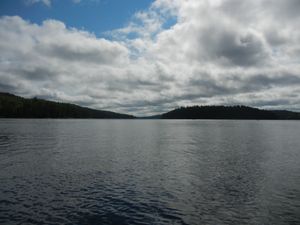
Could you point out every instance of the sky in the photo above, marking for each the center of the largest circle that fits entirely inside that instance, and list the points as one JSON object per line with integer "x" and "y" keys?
{"x": 147, "y": 57}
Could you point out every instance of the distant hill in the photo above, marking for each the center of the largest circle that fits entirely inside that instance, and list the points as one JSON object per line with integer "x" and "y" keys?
{"x": 229, "y": 112}
{"x": 286, "y": 115}
{"x": 12, "y": 106}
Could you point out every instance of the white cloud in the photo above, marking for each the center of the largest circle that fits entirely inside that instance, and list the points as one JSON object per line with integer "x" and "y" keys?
{"x": 216, "y": 52}
{"x": 45, "y": 2}
{"x": 49, "y": 2}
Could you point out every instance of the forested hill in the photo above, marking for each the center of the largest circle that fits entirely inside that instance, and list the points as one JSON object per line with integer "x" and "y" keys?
{"x": 228, "y": 112}
{"x": 12, "y": 106}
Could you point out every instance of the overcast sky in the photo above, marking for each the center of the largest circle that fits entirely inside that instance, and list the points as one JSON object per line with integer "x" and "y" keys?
{"x": 147, "y": 57}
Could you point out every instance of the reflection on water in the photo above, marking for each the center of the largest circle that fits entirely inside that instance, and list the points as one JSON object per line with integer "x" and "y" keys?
{"x": 149, "y": 172}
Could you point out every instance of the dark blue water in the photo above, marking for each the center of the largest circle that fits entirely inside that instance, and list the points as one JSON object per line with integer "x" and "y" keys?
{"x": 149, "y": 172}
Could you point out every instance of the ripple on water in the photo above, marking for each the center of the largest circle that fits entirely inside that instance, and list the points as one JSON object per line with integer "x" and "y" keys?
{"x": 149, "y": 172}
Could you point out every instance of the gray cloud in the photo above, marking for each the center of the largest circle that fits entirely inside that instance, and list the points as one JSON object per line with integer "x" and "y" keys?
{"x": 231, "y": 47}
{"x": 218, "y": 52}
{"x": 287, "y": 10}
{"x": 6, "y": 87}
{"x": 101, "y": 52}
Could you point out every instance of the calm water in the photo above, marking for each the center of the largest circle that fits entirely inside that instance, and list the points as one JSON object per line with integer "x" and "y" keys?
{"x": 149, "y": 172}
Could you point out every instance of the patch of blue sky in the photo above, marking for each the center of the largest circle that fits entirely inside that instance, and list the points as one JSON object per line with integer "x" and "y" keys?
{"x": 95, "y": 16}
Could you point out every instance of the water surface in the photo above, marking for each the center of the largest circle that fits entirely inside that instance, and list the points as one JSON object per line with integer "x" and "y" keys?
{"x": 149, "y": 172}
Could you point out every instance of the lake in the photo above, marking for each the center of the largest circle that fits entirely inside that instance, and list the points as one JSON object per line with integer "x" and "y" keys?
{"x": 149, "y": 172}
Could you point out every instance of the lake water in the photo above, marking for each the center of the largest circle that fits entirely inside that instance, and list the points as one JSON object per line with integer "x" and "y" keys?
{"x": 149, "y": 172}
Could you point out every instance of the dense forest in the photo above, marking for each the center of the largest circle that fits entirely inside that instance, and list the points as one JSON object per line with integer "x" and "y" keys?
{"x": 12, "y": 106}
{"x": 228, "y": 112}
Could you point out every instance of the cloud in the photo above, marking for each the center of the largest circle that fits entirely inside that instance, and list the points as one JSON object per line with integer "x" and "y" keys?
{"x": 48, "y": 3}
{"x": 74, "y": 45}
{"x": 45, "y": 2}
{"x": 214, "y": 52}
{"x": 228, "y": 46}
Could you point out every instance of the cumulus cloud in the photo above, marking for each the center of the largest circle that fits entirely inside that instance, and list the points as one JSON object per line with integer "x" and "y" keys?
{"x": 214, "y": 52}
